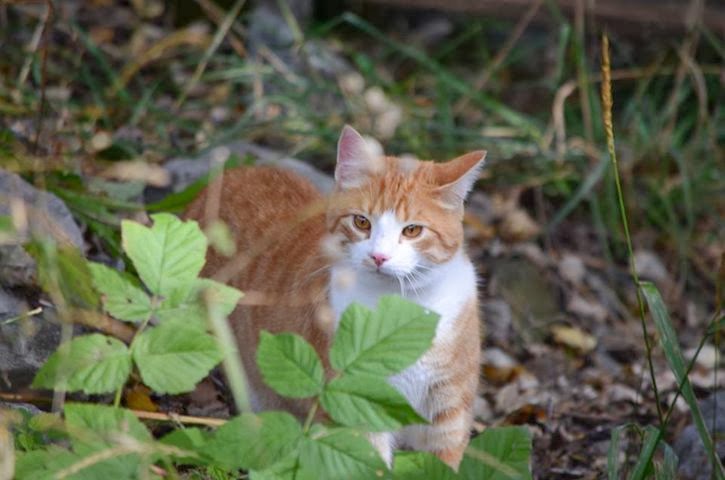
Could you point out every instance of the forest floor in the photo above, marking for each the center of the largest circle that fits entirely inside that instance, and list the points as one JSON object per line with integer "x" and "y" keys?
{"x": 100, "y": 105}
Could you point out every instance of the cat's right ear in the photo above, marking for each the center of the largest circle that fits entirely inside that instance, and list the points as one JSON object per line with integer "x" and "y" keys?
{"x": 355, "y": 163}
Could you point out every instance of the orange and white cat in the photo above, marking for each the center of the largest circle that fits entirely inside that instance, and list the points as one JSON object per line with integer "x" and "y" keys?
{"x": 392, "y": 226}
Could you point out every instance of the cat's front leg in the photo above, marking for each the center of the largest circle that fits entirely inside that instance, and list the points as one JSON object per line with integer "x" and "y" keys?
{"x": 384, "y": 443}
{"x": 447, "y": 436}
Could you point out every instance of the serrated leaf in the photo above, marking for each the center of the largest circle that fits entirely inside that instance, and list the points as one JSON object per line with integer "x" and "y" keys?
{"x": 290, "y": 365}
{"x": 336, "y": 453}
{"x": 45, "y": 464}
{"x": 189, "y": 439}
{"x": 368, "y": 402}
{"x": 286, "y": 469}
{"x": 501, "y": 453}
{"x": 254, "y": 441}
{"x": 420, "y": 465}
{"x": 169, "y": 255}
{"x": 123, "y": 298}
{"x": 174, "y": 357}
{"x": 187, "y": 303}
{"x": 92, "y": 363}
{"x": 385, "y": 341}
{"x": 95, "y": 428}
{"x": 103, "y": 422}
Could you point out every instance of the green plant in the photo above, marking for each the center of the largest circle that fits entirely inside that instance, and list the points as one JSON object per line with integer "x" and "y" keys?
{"x": 648, "y": 294}
{"x": 172, "y": 350}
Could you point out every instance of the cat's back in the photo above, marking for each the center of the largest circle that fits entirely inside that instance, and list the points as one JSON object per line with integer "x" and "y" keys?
{"x": 275, "y": 217}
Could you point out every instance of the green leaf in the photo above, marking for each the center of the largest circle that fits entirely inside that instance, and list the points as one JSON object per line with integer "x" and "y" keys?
{"x": 45, "y": 464}
{"x": 123, "y": 298}
{"x": 420, "y": 465}
{"x": 337, "y": 453}
{"x": 254, "y": 441}
{"x": 644, "y": 468}
{"x": 96, "y": 428}
{"x": 102, "y": 422}
{"x": 189, "y": 303}
{"x": 174, "y": 357}
{"x": 668, "y": 340}
{"x": 290, "y": 365}
{"x": 613, "y": 452}
{"x": 369, "y": 402}
{"x": 667, "y": 470}
{"x": 498, "y": 454}
{"x": 190, "y": 439}
{"x": 167, "y": 256}
{"x": 286, "y": 469}
{"x": 92, "y": 363}
{"x": 385, "y": 341}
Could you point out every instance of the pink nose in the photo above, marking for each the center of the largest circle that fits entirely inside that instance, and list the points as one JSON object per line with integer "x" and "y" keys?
{"x": 379, "y": 258}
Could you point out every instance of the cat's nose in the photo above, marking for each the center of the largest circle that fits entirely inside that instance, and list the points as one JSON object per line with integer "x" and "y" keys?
{"x": 379, "y": 258}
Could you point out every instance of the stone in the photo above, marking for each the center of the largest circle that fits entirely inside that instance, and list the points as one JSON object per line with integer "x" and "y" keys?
{"x": 25, "y": 343}
{"x": 694, "y": 460}
{"x": 185, "y": 171}
{"x": 35, "y": 213}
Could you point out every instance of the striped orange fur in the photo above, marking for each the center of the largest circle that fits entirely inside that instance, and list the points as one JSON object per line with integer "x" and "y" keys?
{"x": 303, "y": 258}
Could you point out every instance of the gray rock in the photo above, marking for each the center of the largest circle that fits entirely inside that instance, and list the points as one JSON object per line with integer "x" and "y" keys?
{"x": 185, "y": 171}
{"x": 25, "y": 343}
{"x": 47, "y": 216}
{"x": 694, "y": 460}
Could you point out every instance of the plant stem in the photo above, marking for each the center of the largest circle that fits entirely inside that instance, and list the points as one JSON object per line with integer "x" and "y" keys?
{"x": 310, "y": 417}
{"x": 609, "y": 131}
{"x": 119, "y": 391}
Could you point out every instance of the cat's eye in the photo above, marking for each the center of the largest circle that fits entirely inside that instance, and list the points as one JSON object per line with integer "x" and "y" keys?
{"x": 361, "y": 222}
{"x": 412, "y": 231}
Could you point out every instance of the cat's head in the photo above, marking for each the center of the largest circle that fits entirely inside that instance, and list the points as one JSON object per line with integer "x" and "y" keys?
{"x": 398, "y": 217}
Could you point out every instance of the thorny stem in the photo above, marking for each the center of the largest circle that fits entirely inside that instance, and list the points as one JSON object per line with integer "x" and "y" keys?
{"x": 606, "y": 91}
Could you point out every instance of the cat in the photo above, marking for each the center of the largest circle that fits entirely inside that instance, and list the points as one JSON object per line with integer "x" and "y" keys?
{"x": 391, "y": 226}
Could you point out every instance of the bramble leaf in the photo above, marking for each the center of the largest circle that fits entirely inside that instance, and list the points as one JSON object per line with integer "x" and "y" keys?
{"x": 290, "y": 365}
{"x": 123, "y": 298}
{"x": 501, "y": 453}
{"x": 254, "y": 441}
{"x": 385, "y": 341}
{"x": 336, "y": 453}
{"x": 420, "y": 465}
{"x": 368, "y": 402}
{"x": 93, "y": 363}
{"x": 174, "y": 356}
{"x": 169, "y": 255}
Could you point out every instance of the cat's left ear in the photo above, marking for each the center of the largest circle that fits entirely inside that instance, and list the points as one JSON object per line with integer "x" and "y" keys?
{"x": 456, "y": 177}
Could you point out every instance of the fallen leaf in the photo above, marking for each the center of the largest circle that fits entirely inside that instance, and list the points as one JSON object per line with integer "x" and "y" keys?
{"x": 573, "y": 337}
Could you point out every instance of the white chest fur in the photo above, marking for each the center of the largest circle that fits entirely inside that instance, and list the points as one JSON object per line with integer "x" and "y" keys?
{"x": 447, "y": 290}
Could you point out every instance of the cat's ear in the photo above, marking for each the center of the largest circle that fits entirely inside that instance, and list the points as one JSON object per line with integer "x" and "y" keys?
{"x": 355, "y": 163}
{"x": 456, "y": 177}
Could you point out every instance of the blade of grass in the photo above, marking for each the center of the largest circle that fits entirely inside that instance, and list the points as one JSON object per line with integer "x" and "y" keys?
{"x": 644, "y": 461}
{"x": 673, "y": 354}
{"x": 668, "y": 469}
{"x": 609, "y": 131}
{"x": 216, "y": 41}
{"x": 591, "y": 180}
{"x": 113, "y": 78}
{"x": 613, "y": 453}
